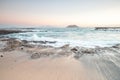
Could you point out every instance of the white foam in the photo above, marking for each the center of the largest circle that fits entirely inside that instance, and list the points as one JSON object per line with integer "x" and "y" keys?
{"x": 35, "y": 37}
{"x": 73, "y": 38}
{"x": 73, "y": 41}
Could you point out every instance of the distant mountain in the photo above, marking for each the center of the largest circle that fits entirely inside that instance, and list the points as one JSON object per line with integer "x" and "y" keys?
{"x": 72, "y": 26}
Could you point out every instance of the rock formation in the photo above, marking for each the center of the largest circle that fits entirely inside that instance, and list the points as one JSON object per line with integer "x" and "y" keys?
{"x": 3, "y": 32}
{"x": 72, "y": 26}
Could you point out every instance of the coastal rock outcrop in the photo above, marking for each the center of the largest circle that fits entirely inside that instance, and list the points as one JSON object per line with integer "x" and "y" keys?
{"x": 65, "y": 46}
{"x": 1, "y": 55}
{"x": 11, "y": 44}
{"x": 108, "y": 28}
{"x": 44, "y": 42}
{"x": 116, "y": 46}
{"x": 35, "y": 56}
{"x": 38, "y": 51}
{"x": 3, "y": 32}
{"x": 79, "y": 51}
{"x": 88, "y": 50}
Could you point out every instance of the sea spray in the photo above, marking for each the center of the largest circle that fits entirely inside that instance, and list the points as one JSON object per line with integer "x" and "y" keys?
{"x": 87, "y": 37}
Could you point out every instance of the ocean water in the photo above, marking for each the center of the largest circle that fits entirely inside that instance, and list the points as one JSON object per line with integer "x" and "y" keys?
{"x": 85, "y": 37}
{"x": 106, "y": 64}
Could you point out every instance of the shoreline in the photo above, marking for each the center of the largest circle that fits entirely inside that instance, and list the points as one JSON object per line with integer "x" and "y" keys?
{"x": 11, "y": 44}
{"x": 76, "y": 39}
{"x": 28, "y": 61}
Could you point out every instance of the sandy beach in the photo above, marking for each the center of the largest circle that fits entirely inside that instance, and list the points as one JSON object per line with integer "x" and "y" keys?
{"x": 30, "y": 62}
{"x": 20, "y": 67}
{"x": 59, "y": 39}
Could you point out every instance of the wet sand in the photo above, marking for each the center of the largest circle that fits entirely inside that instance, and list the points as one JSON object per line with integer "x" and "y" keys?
{"x": 60, "y": 68}
{"x": 58, "y": 63}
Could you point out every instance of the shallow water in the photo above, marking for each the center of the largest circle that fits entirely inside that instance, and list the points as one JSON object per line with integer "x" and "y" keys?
{"x": 87, "y": 37}
{"x": 107, "y": 64}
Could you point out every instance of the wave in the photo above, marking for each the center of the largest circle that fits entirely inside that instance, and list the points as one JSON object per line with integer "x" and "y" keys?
{"x": 74, "y": 37}
{"x": 71, "y": 42}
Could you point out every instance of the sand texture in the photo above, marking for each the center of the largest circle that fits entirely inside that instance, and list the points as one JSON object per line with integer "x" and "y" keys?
{"x": 22, "y": 61}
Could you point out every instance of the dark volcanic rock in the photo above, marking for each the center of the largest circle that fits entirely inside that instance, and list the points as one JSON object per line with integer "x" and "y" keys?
{"x": 116, "y": 46}
{"x": 21, "y": 48}
{"x": 24, "y": 41}
{"x": 3, "y": 32}
{"x": 107, "y": 28}
{"x": 87, "y": 50}
{"x": 1, "y": 55}
{"x": 28, "y": 45}
{"x": 35, "y": 56}
{"x": 44, "y": 42}
{"x": 78, "y": 52}
{"x": 74, "y": 49}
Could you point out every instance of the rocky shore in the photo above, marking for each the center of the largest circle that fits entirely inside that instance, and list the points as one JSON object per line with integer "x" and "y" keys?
{"x": 30, "y": 61}
{"x": 37, "y": 51}
{"x": 107, "y": 28}
{"x": 3, "y": 32}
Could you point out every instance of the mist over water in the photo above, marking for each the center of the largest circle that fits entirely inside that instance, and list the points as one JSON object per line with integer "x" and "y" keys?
{"x": 87, "y": 37}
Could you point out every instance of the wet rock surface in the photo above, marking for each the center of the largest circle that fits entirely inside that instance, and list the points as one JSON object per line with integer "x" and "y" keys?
{"x": 35, "y": 56}
{"x": 44, "y": 42}
{"x": 66, "y": 50}
{"x": 12, "y": 44}
{"x": 108, "y": 28}
{"x": 3, "y": 32}
{"x": 116, "y": 46}
{"x": 105, "y": 60}
{"x": 1, "y": 55}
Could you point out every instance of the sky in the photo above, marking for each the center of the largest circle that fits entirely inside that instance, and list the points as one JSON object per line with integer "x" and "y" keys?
{"x": 84, "y": 13}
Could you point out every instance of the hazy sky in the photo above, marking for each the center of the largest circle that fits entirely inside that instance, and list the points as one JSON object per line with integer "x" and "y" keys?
{"x": 60, "y": 12}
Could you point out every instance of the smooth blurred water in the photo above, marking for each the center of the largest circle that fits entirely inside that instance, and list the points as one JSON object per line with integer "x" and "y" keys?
{"x": 87, "y": 37}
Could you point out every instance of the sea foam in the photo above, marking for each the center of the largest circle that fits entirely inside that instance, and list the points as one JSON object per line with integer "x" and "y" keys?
{"x": 86, "y": 37}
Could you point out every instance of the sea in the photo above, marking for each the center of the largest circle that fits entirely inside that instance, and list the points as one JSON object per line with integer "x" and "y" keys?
{"x": 106, "y": 62}
{"x": 82, "y": 37}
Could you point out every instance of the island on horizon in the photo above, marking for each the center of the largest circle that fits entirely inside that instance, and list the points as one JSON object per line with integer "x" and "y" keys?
{"x": 72, "y": 26}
